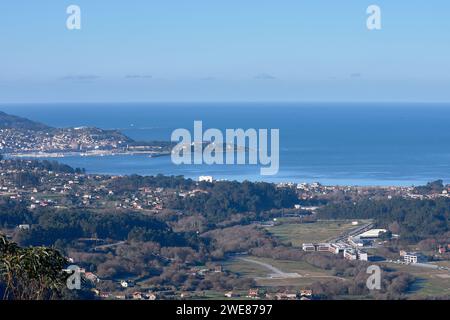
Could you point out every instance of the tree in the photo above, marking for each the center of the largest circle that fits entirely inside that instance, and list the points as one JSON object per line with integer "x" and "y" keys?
{"x": 34, "y": 273}
{"x": 394, "y": 227}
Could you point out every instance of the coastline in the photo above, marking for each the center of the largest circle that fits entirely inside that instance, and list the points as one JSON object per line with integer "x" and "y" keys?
{"x": 333, "y": 146}
{"x": 97, "y": 153}
{"x": 144, "y": 164}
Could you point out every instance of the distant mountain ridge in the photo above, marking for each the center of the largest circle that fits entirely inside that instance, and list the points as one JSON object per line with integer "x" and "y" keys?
{"x": 8, "y": 121}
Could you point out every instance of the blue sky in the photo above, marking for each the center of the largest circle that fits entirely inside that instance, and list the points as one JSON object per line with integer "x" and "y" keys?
{"x": 217, "y": 50}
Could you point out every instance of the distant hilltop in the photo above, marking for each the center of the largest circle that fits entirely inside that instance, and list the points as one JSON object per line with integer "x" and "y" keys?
{"x": 8, "y": 121}
{"x": 23, "y": 137}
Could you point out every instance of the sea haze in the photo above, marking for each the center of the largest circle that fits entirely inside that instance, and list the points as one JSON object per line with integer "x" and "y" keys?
{"x": 351, "y": 144}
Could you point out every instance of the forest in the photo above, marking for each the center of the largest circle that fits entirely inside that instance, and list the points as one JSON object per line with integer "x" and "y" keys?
{"x": 414, "y": 220}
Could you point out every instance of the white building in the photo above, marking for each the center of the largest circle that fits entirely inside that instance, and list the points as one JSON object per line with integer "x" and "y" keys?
{"x": 363, "y": 256}
{"x": 322, "y": 247}
{"x": 356, "y": 241}
{"x": 352, "y": 254}
{"x": 308, "y": 247}
{"x": 413, "y": 257}
{"x": 205, "y": 179}
{"x": 337, "y": 248}
{"x": 372, "y": 234}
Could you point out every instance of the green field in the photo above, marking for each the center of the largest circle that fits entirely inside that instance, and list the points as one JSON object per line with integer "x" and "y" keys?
{"x": 443, "y": 263}
{"x": 245, "y": 269}
{"x": 429, "y": 282}
{"x": 307, "y": 273}
{"x": 298, "y": 233}
{"x": 290, "y": 231}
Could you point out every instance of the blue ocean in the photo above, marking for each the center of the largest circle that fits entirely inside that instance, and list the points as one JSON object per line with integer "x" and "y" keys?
{"x": 334, "y": 144}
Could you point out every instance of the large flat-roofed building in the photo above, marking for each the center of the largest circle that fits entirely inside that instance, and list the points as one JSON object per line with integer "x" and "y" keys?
{"x": 308, "y": 247}
{"x": 337, "y": 248}
{"x": 352, "y": 254}
{"x": 372, "y": 234}
{"x": 323, "y": 247}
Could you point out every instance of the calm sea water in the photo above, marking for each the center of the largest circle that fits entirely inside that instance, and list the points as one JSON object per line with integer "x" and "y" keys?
{"x": 351, "y": 144}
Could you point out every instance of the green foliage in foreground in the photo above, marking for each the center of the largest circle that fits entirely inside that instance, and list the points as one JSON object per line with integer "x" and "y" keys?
{"x": 33, "y": 273}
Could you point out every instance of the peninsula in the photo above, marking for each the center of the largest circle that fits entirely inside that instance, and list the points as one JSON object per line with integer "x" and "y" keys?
{"x": 21, "y": 137}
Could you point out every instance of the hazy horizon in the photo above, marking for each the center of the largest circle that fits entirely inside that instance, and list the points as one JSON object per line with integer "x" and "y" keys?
{"x": 203, "y": 51}
{"x": 266, "y": 103}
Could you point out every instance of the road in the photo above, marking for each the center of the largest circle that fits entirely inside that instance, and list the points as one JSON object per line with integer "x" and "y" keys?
{"x": 107, "y": 246}
{"x": 352, "y": 232}
{"x": 276, "y": 273}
